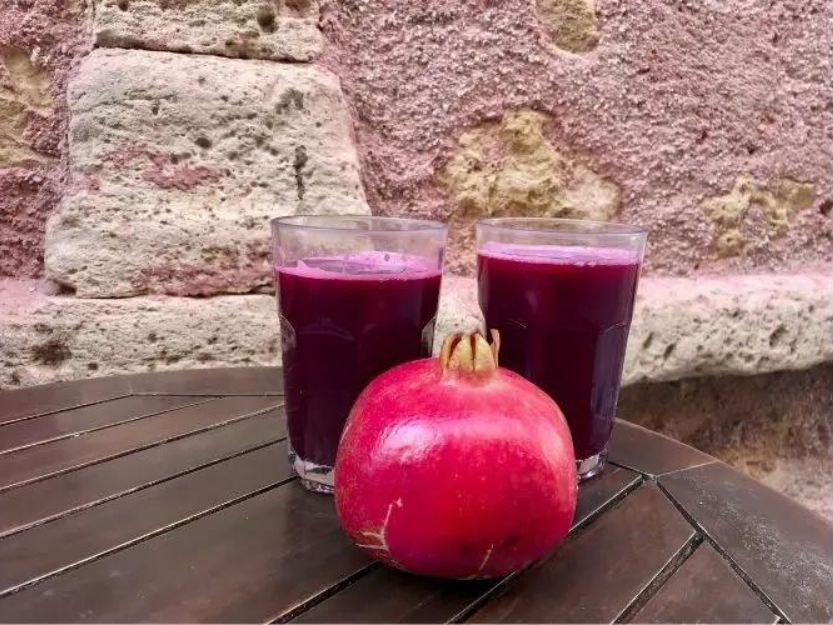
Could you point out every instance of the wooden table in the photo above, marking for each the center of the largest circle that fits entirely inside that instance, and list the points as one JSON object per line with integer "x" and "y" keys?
{"x": 167, "y": 497}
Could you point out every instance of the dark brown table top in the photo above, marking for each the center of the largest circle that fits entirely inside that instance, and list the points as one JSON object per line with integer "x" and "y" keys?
{"x": 167, "y": 497}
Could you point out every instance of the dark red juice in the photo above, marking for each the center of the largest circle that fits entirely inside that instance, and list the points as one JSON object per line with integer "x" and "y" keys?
{"x": 563, "y": 314}
{"x": 343, "y": 322}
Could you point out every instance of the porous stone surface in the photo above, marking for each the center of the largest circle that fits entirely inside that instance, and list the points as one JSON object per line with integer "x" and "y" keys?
{"x": 509, "y": 168}
{"x": 40, "y": 41}
{"x": 571, "y": 24}
{"x": 776, "y": 427}
{"x": 259, "y": 29}
{"x": 682, "y": 328}
{"x": 755, "y": 213}
{"x": 25, "y": 90}
{"x": 51, "y": 338}
{"x": 179, "y": 161}
{"x": 676, "y": 101}
{"x": 729, "y": 325}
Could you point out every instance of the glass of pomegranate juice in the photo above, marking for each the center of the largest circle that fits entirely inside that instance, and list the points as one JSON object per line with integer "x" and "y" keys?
{"x": 561, "y": 293}
{"x": 356, "y": 296}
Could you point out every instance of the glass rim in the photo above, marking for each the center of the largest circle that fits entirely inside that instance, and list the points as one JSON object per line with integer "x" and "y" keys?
{"x": 563, "y": 226}
{"x": 342, "y": 223}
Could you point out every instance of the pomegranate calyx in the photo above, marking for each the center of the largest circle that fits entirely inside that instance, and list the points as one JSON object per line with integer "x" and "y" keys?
{"x": 470, "y": 353}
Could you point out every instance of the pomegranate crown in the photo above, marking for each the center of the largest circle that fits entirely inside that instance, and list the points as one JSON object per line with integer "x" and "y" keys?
{"x": 470, "y": 353}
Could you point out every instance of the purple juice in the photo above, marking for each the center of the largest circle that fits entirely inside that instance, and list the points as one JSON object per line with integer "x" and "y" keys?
{"x": 345, "y": 320}
{"x": 563, "y": 314}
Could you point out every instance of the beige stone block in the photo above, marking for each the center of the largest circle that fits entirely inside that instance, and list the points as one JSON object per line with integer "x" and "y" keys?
{"x": 258, "y": 29}
{"x": 178, "y": 163}
{"x": 730, "y": 325}
{"x": 53, "y": 338}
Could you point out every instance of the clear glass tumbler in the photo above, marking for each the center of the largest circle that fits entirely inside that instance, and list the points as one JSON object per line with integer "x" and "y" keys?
{"x": 356, "y": 296}
{"x": 561, "y": 293}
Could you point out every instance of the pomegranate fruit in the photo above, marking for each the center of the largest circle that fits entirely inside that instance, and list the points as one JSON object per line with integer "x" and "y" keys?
{"x": 453, "y": 467}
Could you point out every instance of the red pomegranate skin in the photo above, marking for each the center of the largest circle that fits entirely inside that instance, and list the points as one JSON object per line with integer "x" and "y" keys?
{"x": 455, "y": 474}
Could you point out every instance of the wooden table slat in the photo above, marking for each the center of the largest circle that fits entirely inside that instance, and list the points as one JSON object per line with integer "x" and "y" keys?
{"x": 39, "y": 501}
{"x": 598, "y": 572}
{"x": 248, "y": 562}
{"x": 48, "y": 398}
{"x": 48, "y": 548}
{"x": 629, "y": 444}
{"x": 705, "y": 589}
{"x": 67, "y": 423}
{"x": 386, "y": 595}
{"x": 229, "y": 381}
{"x": 786, "y": 549}
{"x": 603, "y": 490}
{"x": 44, "y": 460}
{"x": 39, "y": 400}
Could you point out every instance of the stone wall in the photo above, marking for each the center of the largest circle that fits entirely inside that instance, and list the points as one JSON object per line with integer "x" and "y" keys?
{"x": 708, "y": 120}
{"x": 158, "y": 137}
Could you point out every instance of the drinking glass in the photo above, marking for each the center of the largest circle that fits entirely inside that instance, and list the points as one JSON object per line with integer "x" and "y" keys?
{"x": 356, "y": 296}
{"x": 561, "y": 294}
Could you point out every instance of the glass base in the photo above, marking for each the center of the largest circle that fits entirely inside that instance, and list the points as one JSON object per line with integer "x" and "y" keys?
{"x": 317, "y": 478}
{"x": 592, "y": 466}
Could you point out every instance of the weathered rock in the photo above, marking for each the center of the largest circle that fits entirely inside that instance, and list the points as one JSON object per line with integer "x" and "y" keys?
{"x": 51, "y": 338}
{"x": 178, "y": 163}
{"x": 682, "y": 328}
{"x": 752, "y": 211}
{"x": 25, "y": 91}
{"x": 261, "y": 29}
{"x": 510, "y": 168}
{"x": 571, "y": 24}
{"x": 731, "y": 325}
